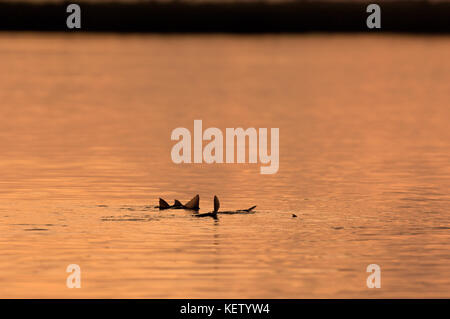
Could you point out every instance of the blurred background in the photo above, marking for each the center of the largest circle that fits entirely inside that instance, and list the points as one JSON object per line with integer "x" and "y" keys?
{"x": 227, "y": 16}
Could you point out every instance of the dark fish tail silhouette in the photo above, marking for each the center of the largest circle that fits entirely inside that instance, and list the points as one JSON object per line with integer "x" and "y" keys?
{"x": 213, "y": 213}
{"x": 216, "y": 204}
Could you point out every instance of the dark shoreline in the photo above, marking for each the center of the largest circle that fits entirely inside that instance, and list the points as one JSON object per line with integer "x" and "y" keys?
{"x": 180, "y": 17}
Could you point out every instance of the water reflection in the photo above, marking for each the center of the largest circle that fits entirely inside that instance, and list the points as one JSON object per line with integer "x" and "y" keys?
{"x": 364, "y": 152}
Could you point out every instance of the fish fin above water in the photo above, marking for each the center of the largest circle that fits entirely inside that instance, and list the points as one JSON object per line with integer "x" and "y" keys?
{"x": 163, "y": 203}
{"x": 216, "y": 204}
{"x": 177, "y": 203}
{"x": 193, "y": 203}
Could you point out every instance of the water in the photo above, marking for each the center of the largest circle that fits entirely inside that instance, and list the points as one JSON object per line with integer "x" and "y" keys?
{"x": 364, "y": 163}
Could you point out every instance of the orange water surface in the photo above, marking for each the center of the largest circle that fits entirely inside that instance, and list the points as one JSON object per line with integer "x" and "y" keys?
{"x": 85, "y": 126}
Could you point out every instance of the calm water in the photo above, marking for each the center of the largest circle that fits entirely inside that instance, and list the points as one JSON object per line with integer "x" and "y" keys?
{"x": 85, "y": 128}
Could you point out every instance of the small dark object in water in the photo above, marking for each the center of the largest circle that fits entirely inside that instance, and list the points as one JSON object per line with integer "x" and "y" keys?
{"x": 293, "y": 215}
